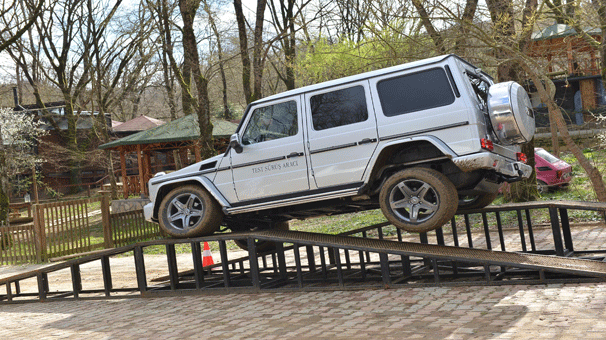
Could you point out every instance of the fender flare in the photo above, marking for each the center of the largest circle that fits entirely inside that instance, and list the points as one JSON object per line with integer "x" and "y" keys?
{"x": 206, "y": 183}
{"x": 436, "y": 142}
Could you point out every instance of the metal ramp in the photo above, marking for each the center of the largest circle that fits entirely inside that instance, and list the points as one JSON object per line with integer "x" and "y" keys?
{"x": 359, "y": 259}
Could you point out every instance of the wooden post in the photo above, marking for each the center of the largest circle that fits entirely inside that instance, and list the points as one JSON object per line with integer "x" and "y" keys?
{"x": 39, "y": 232}
{"x": 123, "y": 168}
{"x": 570, "y": 57}
{"x": 148, "y": 171}
{"x": 588, "y": 97}
{"x": 108, "y": 240}
{"x": 140, "y": 163}
{"x": 183, "y": 157}
{"x": 35, "y": 184}
{"x": 197, "y": 152}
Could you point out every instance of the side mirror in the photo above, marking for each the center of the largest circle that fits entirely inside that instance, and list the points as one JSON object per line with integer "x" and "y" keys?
{"x": 235, "y": 143}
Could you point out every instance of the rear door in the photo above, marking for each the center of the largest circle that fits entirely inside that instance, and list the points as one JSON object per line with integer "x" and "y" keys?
{"x": 342, "y": 134}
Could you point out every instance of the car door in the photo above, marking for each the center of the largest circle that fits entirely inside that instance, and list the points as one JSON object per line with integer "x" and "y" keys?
{"x": 342, "y": 134}
{"x": 272, "y": 161}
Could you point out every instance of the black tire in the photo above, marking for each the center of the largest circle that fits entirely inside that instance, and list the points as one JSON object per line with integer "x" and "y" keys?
{"x": 475, "y": 202}
{"x": 418, "y": 199}
{"x": 542, "y": 187}
{"x": 263, "y": 246}
{"x": 189, "y": 211}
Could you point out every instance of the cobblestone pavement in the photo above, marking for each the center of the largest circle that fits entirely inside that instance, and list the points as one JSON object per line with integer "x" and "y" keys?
{"x": 575, "y": 311}
{"x": 571, "y": 311}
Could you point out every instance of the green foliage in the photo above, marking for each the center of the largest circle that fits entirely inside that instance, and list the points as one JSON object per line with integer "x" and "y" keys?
{"x": 324, "y": 60}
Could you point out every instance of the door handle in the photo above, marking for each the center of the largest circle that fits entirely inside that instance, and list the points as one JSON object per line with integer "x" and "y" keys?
{"x": 294, "y": 154}
{"x": 367, "y": 141}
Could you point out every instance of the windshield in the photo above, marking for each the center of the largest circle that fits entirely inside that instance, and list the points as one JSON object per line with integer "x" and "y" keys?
{"x": 547, "y": 156}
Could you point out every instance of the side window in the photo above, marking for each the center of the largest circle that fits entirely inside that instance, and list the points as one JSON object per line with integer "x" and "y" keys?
{"x": 414, "y": 92}
{"x": 338, "y": 108}
{"x": 272, "y": 122}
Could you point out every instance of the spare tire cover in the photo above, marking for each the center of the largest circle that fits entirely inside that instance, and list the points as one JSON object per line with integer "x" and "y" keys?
{"x": 511, "y": 113}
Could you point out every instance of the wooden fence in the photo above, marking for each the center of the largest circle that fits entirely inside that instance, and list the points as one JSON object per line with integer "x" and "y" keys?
{"x": 17, "y": 244}
{"x": 130, "y": 227}
{"x": 72, "y": 227}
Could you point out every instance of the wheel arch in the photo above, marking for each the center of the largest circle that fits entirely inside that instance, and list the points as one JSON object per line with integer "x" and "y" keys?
{"x": 394, "y": 155}
{"x": 203, "y": 182}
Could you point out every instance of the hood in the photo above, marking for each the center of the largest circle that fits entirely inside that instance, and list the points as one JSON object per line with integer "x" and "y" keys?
{"x": 207, "y": 164}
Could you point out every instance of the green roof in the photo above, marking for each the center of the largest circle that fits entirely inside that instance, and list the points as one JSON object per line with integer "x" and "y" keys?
{"x": 560, "y": 31}
{"x": 182, "y": 129}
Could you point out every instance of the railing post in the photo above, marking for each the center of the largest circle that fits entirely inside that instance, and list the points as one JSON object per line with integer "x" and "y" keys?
{"x": 39, "y": 232}
{"x": 108, "y": 240}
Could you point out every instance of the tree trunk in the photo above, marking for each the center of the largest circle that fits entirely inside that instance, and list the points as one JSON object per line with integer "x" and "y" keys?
{"x": 436, "y": 37}
{"x": 502, "y": 16}
{"x": 258, "y": 57}
{"x": 601, "y": 8}
{"x": 213, "y": 25}
{"x": 241, "y": 20}
{"x": 190, "y": 48}
{"x": 3, "y": 185}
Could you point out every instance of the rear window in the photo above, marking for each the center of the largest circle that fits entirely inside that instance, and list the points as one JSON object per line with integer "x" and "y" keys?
{"x": 338, "y": 108}
{"x": 415, "y": 92}
{"x": 547, "y": 156}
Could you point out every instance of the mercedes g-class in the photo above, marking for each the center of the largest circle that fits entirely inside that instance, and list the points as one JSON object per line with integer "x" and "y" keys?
{"x": 419, "y": 141}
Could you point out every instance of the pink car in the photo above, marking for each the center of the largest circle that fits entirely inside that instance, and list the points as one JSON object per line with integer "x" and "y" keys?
{"x": 552, "y": 172}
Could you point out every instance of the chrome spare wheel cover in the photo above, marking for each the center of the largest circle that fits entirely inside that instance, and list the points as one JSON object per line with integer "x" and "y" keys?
{"x": 414, "y": 201}
{"x": 511, "y": 113}
{"x": 185, "y": 211}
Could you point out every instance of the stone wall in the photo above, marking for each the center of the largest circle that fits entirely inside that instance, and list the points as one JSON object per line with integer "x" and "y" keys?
{"x": 131, "y": 204}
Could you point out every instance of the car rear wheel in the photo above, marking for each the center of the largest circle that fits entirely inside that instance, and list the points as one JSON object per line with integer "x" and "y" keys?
{"x": 542, "y": 187}
{"x": 418, "y": 199}
{"x": 189, "y": 211}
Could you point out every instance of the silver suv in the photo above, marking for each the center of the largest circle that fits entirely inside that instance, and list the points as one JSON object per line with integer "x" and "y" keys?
{"x": 419, "y": 141}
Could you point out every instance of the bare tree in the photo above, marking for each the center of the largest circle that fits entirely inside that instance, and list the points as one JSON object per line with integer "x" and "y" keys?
{"x": 227, "y": 114}
{"x": 17, "y": 19}
{"x": 64, "y": 57}
{"x": 284, "y": 15}
{"x": 259, "y": 50}
{"x": 163, "y": 15}
{"x": 200, "y": 100}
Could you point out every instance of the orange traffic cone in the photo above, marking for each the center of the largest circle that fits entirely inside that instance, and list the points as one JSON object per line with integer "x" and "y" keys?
{"x": 207, "y": 257}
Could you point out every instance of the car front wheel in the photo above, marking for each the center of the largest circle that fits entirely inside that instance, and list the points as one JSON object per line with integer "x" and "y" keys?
{"x": 418, "y": 199}
{"x": 189, "y": 211}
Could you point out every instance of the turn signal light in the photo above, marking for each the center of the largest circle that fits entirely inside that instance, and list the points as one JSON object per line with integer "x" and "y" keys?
{"x": 559, "y": 174}
{"x": 522, "y": 157}
{"x": 486, "y": 144}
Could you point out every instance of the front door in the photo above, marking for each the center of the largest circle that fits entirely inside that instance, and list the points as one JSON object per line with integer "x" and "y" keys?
{"x": 272, "y": 163}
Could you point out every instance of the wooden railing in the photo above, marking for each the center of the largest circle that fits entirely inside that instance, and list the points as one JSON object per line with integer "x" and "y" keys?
{"x": 130, "y": 227}
{"x": 64, "y": 228}
{"x": 68, "y": 228}
{"x": 17, "y": 244}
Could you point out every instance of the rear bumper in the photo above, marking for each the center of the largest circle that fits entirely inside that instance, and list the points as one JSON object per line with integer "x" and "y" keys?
{"x": 511, "y": 170}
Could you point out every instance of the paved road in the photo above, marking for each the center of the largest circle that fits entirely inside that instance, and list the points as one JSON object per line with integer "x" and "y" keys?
{"x": 573, "y": 311}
